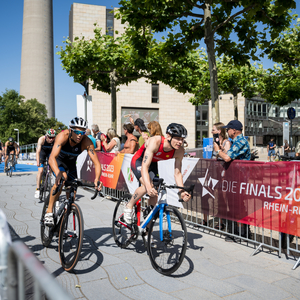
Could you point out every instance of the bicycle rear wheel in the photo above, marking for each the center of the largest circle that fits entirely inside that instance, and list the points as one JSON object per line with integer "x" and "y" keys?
{"x": 70, "y": 238}
{"x": 166, "y": 255}
{"x": 42, "y": 186}
{"x": 47, "y": 187}
{"x": 123, "y": 233}
{"x": 46, "y": 231}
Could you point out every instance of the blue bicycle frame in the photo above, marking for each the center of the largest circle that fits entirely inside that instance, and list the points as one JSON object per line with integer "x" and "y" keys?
{"x": 160, "y": 206}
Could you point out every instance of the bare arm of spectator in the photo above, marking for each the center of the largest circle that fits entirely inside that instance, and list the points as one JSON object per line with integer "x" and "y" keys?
{"x": 98, "y": 143}
{"x": 108, "y": 147}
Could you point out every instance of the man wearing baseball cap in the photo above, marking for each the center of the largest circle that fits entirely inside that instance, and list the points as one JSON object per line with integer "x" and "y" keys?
{"x": 141, "y": 128}
{"x": 240, "y": 148}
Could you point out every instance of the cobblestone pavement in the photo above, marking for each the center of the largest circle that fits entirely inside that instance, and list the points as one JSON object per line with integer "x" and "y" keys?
{"x": 212, "y": 268}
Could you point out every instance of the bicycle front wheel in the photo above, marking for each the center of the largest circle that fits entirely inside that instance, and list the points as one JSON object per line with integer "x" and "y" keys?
{"x": 123, "y": 233}
{"x": 70, "y": 238}
{"x": 166, "y": 254}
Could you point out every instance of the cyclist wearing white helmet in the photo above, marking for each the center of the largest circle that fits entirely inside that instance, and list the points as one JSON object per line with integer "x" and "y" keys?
{"x": 144, "y": 165}
{"x": 68, "y": 145}
{"x": 43, "y": 150}
{"x": 10, "y": 148}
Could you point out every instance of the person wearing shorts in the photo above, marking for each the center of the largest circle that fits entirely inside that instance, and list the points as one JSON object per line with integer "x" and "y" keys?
{"x": 68, "y": 145}
{"x": 10, "y": 149}
{"x": 144, "y": 165}
{"x": 43, "y": 150}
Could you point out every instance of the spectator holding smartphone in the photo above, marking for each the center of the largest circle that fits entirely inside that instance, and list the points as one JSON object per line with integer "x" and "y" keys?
{"x": 220, "y": 137}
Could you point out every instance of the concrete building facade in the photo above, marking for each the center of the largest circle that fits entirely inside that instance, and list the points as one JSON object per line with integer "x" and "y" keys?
{"x": 37, "y": 61}
{"x": 139, "y": 99}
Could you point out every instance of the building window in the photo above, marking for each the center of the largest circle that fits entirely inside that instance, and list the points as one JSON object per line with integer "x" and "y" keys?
{"x": 110, "y": 22}
{"x": 264, "y": 108}
{"x": 155, "y": 93}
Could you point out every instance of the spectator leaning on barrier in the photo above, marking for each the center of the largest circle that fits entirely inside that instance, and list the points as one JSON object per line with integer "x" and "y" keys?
{"x": 239, "y": 149}
{"x": 140, "y": 127}
{"x": 131, "y": 145}
{"x": 114, "y": 145}
{"x": 220, "y": 137}
{"x": 89, "y": 134}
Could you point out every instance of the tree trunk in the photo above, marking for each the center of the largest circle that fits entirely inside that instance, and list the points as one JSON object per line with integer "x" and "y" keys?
{"x": 235, "y": 105}
{"x": 113, "y": 95}
{"x": 210, "y": 46}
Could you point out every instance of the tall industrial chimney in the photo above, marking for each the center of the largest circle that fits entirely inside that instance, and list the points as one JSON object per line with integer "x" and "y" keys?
{"x": 37, "y": 62}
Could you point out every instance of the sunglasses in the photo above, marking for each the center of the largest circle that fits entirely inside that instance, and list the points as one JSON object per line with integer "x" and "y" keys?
{"x": 77, "y": 132}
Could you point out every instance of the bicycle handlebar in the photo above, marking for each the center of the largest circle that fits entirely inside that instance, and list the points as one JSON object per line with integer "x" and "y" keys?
{"x": 76, "y": 183}
{"x": 159, "y": 183}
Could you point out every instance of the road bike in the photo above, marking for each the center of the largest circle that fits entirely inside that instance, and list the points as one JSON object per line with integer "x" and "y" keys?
{"x": 45, "y": 185}
{"x": 68, "y": 224}
{"x": 11, "y": 163}
{"x": 166, "y": 237}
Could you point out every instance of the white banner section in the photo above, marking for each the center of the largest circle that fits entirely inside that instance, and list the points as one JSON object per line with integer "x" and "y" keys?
{"x": 131, "y": 181}
{"x": 166, "y": 171}
{"x": 79, "y": 162}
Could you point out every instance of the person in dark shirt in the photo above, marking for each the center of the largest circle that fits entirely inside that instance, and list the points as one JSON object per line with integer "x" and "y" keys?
{"x": 68, "y": 145}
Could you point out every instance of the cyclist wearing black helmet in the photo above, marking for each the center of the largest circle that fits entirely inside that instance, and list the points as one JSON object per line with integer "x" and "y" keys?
{"x": 144, "y": 165}
{"x": 10, "y": 148}
{"x": 68, "y": 145}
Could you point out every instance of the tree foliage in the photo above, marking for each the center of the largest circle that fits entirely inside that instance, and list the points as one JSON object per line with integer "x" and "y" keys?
{"x": 233, "y": 28}
{"x": 96, "y": 58}
{"x": 281, "y": 85}
{"x": 30, "y": 117}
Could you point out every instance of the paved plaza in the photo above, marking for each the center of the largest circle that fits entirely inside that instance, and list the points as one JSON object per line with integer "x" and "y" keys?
{"x": 212, "y": 268}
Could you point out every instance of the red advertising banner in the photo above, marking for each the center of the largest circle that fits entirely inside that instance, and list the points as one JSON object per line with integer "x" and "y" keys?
{"x": 110, "y": 165}
{"x": 255, "y": 193}
{"x": 262, "y": 194}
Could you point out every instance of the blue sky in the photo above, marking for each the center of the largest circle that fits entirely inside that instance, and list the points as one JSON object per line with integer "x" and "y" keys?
{"x": 11, "y": 21}
{"x": 11, "y": 18}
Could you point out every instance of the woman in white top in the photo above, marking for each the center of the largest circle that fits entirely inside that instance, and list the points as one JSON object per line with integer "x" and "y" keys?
{"x": 114, "y": 144}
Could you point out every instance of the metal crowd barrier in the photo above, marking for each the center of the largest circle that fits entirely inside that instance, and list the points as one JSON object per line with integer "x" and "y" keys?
{"x": 21, "y": 263}
{"x": 291, "y": 249}
{"x": 260, "y": 238}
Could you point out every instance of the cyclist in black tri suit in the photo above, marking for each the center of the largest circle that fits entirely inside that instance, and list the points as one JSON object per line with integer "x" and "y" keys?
{"x": 68, "y": 145}
{"x": 144, "y": 165}
{"x": 43, "y": 150}
{"x": 11, "y": 147}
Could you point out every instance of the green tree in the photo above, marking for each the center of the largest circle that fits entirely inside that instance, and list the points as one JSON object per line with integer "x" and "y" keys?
{"x": 110, "y": 62}
{"x": 29, "y": 117}
{"x": 228, "y": 27}
{"x": 239, "y": 79}
{"x": 281, "y": 85}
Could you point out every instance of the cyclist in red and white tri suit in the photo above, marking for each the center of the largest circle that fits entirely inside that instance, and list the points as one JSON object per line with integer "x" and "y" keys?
{"x": 144, "y": 165}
